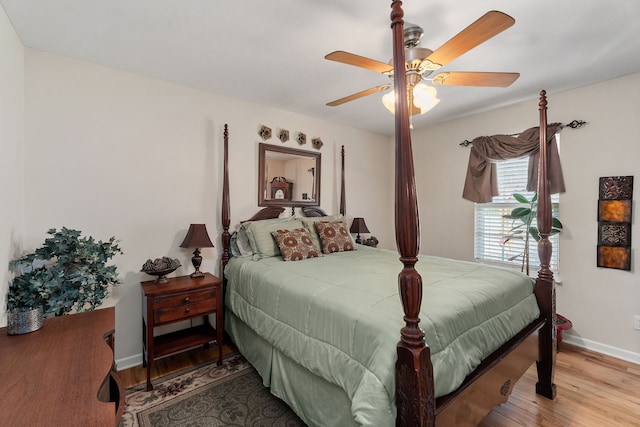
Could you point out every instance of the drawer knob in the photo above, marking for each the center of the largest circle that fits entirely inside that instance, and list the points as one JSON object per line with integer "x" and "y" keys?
{"x": 187, "y": 310}
{"x": 186, "y": 299}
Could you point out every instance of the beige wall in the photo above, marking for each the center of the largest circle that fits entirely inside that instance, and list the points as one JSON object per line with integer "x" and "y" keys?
{"x": 117, "y": 154}
{"x": 600, "y": 302}
{"x": 113, "y": 153}
{"x": 11, "y": 147}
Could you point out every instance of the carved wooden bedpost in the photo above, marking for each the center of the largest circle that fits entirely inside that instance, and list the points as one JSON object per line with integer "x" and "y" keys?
{"x": 414, "y": 373}
{"x": 343, "y": 201}
{"x": 226, "y": 237}
{"x": 545, "y": 290}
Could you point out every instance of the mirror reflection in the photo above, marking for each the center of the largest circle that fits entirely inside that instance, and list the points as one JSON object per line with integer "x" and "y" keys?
{"x": 288, "y": 177}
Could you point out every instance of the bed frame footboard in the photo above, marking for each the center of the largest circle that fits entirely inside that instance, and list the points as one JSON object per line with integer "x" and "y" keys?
{"x": 415, "y": 397}
{"x": 491, "y": 383}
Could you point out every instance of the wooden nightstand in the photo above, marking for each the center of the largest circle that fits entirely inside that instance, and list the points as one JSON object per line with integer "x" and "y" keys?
{"x": 181, "y": 298}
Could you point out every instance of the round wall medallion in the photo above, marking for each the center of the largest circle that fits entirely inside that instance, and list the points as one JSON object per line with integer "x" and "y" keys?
{"x": 283, "y": 135}
{"x": 264, "y": 132}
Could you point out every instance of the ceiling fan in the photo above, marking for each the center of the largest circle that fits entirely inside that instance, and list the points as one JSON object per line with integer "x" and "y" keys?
{"x": 420, "y": 63}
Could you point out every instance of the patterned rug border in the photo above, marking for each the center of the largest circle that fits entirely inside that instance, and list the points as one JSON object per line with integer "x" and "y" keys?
{"x": 143, "y": 415}
{"x": 182, "y": 382}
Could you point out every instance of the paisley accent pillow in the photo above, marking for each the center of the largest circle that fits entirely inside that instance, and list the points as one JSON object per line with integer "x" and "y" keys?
{"x": 334, "y": 236}
{"x": 295, "y": 244}
{"x": 309, "y": 224}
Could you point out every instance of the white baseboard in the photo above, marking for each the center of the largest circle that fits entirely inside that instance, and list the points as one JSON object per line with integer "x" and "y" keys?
{"x": 129, "y": 362}
{"x": 618, "y": 353}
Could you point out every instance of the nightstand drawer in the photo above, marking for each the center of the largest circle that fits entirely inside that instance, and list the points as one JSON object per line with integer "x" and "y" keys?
{"x": 184, "y": 310}
{"x": 180, "y": 299}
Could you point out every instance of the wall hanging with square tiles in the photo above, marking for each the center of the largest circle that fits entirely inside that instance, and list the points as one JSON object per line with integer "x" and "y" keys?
{"x": 614, "y": 222}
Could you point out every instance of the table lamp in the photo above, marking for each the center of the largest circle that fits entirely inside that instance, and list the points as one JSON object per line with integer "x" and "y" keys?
{"x": 197, "y": 237}
{"x": 358, "y": 226}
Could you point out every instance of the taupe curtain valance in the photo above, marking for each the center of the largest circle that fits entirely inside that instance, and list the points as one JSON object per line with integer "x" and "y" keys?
{"x": 481, "y": 183}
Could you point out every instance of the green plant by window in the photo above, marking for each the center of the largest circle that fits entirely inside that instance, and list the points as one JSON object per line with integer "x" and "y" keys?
{"x": 522, "y": 226}
{"x": 68, "y": 272}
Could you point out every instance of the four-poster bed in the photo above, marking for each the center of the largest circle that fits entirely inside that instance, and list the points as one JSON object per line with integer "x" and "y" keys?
{"x": 418, "y": 397}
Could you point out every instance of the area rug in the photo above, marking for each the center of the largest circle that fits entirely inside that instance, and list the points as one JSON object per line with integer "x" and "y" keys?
{"x": 208, "y": 395}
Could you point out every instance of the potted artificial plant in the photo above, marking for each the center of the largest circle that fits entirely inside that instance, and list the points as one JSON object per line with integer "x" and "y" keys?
{"x": 68, "y": 272}
{"x": 522, "y": 228}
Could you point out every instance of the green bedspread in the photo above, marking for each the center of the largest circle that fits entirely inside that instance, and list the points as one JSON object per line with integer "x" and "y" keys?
{"x": 339, "y": 316}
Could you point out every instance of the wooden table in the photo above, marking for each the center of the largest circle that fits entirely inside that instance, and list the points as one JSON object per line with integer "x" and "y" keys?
{"x": 62, "y": 374}
{"x": 180, "y": 298}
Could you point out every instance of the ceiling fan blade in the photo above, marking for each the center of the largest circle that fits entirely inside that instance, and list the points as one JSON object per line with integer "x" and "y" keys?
{"x": 359, "y": 61}
{"x": 358, "y": 95}
{"x": 487, "y": 26}
{"x": 475, "y": 79}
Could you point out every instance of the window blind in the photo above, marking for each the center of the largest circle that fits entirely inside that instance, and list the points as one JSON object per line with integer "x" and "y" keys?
{"x": 491, "y": 229}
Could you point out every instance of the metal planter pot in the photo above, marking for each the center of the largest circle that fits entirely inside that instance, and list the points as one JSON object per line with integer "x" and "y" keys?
{"x": 23, "y": 321}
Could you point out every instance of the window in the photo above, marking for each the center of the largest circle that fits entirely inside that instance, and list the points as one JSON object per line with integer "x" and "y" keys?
{"x": 491, "y": 228}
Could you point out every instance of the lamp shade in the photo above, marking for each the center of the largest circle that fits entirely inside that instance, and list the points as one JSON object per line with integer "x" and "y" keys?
{"x": 424, "y": 98}
{"x": 358, "y": 226}
{"x": 197, "y": 237}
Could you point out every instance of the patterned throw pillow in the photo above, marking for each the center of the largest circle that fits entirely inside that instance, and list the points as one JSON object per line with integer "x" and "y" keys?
{"x": 334, "y": 236}
{"x": 295, "y": 244}
{"x": 310, "y": 224}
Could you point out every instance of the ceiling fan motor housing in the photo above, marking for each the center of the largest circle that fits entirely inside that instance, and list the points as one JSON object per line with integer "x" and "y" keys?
{"x": 415, "y": 57}
{"x": 412, "y": 35}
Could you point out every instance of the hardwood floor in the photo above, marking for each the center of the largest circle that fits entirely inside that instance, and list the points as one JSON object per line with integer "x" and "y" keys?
{"x": 593, "y": 390}
{"x": 138, "y": 374}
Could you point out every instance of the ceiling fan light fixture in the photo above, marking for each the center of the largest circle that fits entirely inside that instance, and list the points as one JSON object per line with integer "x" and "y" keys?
{"x": 424, "y": 98}
{"x": 389, "y": 101}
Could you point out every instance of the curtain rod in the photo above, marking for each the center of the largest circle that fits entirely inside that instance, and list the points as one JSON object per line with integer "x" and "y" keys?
{"x": 574, "y": 124}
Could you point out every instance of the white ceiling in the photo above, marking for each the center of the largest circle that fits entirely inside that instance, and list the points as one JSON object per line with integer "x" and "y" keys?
{"x": 272, "y": 52}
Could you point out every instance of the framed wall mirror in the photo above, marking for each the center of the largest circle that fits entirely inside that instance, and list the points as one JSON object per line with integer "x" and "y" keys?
{"x": 288, "y": 176}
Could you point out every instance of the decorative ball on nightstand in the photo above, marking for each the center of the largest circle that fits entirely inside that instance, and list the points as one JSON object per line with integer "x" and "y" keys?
{"x": 160, "y": 267}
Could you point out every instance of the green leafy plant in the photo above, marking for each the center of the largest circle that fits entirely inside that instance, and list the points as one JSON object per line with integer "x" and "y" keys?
{"x": 68, "y": 272}
{"x": 522, "y": 226}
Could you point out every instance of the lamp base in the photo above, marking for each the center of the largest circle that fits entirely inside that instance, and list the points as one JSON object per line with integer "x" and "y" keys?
{"x": 196, "y": 260}
{"x": 358, "y": 239}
